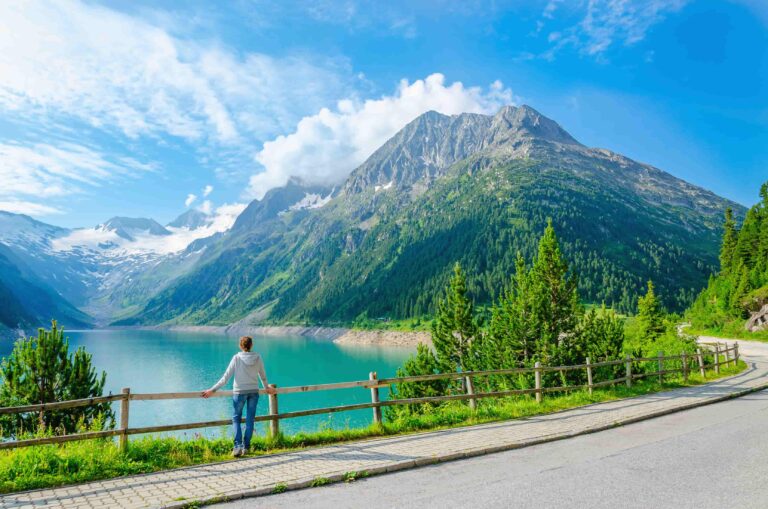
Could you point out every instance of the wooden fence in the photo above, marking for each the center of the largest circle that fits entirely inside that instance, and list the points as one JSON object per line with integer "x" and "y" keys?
{"x": 720, "y": 355}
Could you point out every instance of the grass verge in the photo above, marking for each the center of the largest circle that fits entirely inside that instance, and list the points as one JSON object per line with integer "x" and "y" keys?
{"x": 733, "y": 330}
{"x": 76, "y": 462}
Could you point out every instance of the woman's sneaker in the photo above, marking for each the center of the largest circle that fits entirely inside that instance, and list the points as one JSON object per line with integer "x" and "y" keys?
{"x": 237, "y": 452}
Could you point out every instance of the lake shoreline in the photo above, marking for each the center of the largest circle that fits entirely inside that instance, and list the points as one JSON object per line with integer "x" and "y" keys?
{"x": 338, "y": 335}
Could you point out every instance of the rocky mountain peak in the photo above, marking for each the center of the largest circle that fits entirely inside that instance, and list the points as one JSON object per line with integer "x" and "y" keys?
{"x": 128, "y": 227}
{"x": 191, "y": 219}
{"x": 513, "y": 124}
{"x": 281, "y": 199}
{"x": 419, "y": 152}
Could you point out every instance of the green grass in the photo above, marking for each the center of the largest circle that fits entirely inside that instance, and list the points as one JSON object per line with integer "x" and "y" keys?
{"x": 75, "y": 462}
{"x": 319, "y": 481}
{"x": 731, "y": 330}
{"x": 404, "y": 325}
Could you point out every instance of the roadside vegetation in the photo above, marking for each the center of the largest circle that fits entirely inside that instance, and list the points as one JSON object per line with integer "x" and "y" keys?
{"x": 741, "y": 286}
{"x": 41, "y": 369}
{"x": 75, "y": 462}
{"x": 537, "y": 318}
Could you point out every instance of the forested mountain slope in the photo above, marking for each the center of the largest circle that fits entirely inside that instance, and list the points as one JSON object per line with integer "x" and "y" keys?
{"x": 470, "y": 188}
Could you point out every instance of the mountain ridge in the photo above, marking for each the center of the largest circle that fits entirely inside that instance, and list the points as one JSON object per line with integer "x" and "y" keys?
{"x": 319, "y": 265}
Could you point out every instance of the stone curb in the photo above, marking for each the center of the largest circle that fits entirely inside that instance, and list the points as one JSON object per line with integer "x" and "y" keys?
{"x": 409, "y": 464}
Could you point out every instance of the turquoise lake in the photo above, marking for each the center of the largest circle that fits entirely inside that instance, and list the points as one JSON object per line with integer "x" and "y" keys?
{"x": 163, "y": 361}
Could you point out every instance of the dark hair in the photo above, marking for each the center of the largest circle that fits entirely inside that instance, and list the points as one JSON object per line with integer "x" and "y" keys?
{"x": 246, "y": 343}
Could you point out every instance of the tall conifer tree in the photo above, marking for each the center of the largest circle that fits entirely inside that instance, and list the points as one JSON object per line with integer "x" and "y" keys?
{"x": 454, "y": 327}
{"x": 749, "y": 239}
{"x": 730, "y": 238}
{"x": 650, "y": 314}
{"x": 555, "y": 294}
{"x": 42, "y": 370}
{"x": 513, "y": 330}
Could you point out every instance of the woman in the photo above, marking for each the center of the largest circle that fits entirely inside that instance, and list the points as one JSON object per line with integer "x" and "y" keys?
{"x": 247, "y": 367}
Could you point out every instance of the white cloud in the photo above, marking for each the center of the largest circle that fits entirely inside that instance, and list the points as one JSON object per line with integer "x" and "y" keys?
{"x": 190, "y": 199}
{"x": 45, "y": 171}
{"x": 327, "y": 146}
{"x": 207, "y": 190}
{"x": 73, "y": 69}
{"x": 604, "y": 24}
{"x": 551, "y": 7}
{"x": 206, "y": 207}
{"x": 28, "y": 208}
{"x": 123, "y": 74}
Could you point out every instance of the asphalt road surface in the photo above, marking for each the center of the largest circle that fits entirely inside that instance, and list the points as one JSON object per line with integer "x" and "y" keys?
{"x": 710, "y": 457}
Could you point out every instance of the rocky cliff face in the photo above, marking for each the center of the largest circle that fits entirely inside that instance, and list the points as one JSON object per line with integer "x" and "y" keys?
{"x": 758, "y": 321}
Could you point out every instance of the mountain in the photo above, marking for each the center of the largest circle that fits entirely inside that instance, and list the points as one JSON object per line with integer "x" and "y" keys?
{"x": 27, "y": 301}
{"x": 294, "y": 196}
{"x": 129, "y": 228}
{"x": 471, "y": 188}
{"x": 104, "y": 272}
{"x": 191, "y": 219}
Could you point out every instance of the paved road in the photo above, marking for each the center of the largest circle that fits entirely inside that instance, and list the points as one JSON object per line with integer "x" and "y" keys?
{"x": 711, "y": 457}
{"x": 714, "y": 456}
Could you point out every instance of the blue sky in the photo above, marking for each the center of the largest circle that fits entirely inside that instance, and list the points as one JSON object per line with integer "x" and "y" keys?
{"x": 127, "y": 108}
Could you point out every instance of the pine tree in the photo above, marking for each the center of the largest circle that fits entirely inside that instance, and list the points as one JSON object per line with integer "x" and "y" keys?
{"x": 763, "y": 250}
{"x": 556, "y": 300}
{"x": 601, "y": 334}
{"x": 454, "y": 326}
{"x": 741, "y": 290}
{"x": 41, "y": 370}
{"x": 730, "y": 238}
{"x": 650, "y": 314}
{"x": 749, "y": 239}
{"x": 513, "y": 328}
{"x": 423, "y": 363}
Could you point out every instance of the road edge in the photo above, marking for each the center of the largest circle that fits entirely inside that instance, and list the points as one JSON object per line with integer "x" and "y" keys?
{"x": 410, "y": 464}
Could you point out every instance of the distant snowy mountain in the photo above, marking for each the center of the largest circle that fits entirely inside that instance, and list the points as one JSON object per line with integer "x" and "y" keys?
{"x": 105, "y": 269}
{"x": 129, "y": 228}
{"x": 191, "y": 219}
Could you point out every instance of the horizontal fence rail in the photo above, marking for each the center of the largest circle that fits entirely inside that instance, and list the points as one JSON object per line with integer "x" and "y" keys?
{"x": 720, "y": 354}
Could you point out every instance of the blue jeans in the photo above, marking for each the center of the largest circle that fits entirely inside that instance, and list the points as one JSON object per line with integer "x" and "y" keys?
{"x": 238, "y": 402}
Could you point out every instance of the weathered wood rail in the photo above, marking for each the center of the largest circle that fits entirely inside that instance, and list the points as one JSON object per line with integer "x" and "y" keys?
{"x": 719, "y": 353}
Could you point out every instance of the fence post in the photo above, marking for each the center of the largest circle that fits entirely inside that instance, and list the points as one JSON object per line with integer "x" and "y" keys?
{"x": 537, "y": 366}
{"x": 375, "y": 398}
{"x": 684, "y": 358}
{"x": 589, "y": 376}
{"x": 471, "y": 391}
{"x": 727, "y": 355}
{"x": 735, "y": 353}
{"x": 124, "y": 414}
{"x": 629, "y": 371}
{"x": 717, "y": 358}
{"x": 274, "y": 424}
{"x": 661, "y": 367}
{"x": 701, "y": 362}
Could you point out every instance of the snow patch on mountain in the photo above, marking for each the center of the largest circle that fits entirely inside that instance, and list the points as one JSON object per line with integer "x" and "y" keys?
{"x": 311, "y": 201}
{"x": 118, "y": 241}
{"x": 386, "y": 186}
